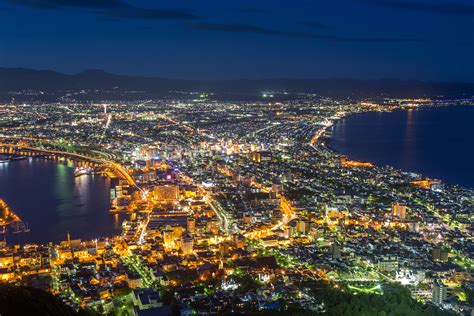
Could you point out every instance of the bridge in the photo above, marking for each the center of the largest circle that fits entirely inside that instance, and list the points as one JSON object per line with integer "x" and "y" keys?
{"x": 28, "y": 151}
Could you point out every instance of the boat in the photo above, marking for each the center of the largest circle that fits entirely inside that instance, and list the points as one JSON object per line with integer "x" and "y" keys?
{"x": 27, "y": 228}
{"x": 80, "y": 171}
{"x": 19, "y": 227}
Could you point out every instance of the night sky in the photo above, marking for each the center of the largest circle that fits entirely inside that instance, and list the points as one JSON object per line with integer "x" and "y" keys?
{"x": 408, "y": 39}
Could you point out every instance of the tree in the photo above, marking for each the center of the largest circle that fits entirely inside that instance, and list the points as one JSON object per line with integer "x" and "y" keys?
{"x": 24, "y": 300}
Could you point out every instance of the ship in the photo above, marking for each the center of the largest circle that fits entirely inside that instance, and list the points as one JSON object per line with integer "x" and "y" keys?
{"x": 8, "y": 159}
{"x": 80, "y": 171}
{"x": 19, "y": 227}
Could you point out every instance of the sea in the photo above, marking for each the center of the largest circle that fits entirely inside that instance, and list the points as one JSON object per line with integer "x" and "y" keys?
{"x": 437, "y": 142}
{"x": 47, "y": 196}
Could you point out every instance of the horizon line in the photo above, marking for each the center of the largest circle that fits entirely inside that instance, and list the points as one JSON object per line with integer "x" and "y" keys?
{"x": 381, "y": 78}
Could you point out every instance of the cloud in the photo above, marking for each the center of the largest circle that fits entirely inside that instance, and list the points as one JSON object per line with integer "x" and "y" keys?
{"x": 315, "y": 25}
{"x": 111, "y": 8}
{"x": 444, "y": 8}
{"x": 253, "y": 29}
{"x": 56, "y": 4}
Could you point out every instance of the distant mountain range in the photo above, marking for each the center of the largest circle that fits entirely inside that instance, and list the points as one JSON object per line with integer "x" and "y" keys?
{"x": 17, "y": 79}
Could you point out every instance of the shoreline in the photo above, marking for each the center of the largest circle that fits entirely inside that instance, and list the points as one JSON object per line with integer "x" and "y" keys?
{"x": 324, "y": 139}
{"x": 25, "y": 238}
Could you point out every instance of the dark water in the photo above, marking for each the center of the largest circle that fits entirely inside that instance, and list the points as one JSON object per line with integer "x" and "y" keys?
{"x": 437, "y": 142}
{"x": 48, "y": 196}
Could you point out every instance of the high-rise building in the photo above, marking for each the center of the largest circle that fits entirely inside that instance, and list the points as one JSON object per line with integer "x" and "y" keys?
{"x": 239, "y": 241}
{"x": 168, "y": 238}
{"x": 399, "y": 210}
{"x": 388, "y": 263}
{"x": 213, "y": 226}
{"x": 440, "y": 254}
{"x": 224, "y": 248}
{"x": 191, "y": 225}
{"x": 303, "y": 226}
{"x": 187, "y": 244}
{"x": 291, "y": 229}
{"x": 335, "y": 250}
{"x": 439, "y": 293}
{"x": 236, "y": 148}
{"x": 260, "y": 156}
{"x": 414, "y": 226}
{"x": 247, "y": 218}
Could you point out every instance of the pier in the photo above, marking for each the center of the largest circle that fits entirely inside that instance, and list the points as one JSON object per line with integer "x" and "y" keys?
{"x": 8, "y": 218}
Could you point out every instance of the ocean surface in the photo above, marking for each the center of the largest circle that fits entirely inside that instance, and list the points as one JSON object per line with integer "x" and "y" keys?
{"x": 47, "y": 196}
{"x": 437, "y": 142}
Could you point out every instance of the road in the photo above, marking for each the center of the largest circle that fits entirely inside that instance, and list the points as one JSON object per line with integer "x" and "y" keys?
{"x": 220, "y": 213}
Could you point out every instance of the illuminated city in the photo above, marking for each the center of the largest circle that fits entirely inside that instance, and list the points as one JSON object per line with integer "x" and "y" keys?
{"x": 140, "y": 195}
{"x": 219, "y": 205}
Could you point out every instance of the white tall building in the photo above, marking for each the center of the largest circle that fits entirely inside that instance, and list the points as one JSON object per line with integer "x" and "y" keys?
{"x": 439, "y": 291}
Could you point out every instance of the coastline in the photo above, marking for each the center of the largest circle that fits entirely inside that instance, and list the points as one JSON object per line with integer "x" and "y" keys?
{"x": 325, "y": 138}
{"x": 76, "y": 208}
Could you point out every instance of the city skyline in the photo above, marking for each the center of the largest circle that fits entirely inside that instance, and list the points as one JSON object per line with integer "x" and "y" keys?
{"x": 209, "y": 158}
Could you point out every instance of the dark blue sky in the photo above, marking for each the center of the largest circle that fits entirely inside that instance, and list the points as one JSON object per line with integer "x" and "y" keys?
{"x": 409, "y": 39}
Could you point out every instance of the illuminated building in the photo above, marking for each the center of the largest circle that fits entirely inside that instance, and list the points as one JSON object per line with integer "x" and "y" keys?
{"x": 335, "y": 250}
{"x": 388, "y": 263}
{"x": 187, "y": 244}
{"x": 239, "y": 241}
{"x": 236, "y": 148}
{"x": 426, "y": 183}
{"x": 439, "y": 254}
{"x": 148, "y": 152}
{"x": 191, "y": 225}
{"x": 352, "y": 163}
{"x": 261, "y": 156}
{"x": 439, "y": 293}
{"x": 166, "y": 193}
{"x": 6, "y": 274}
{"x": 290, "y": 230}
{"x": 224, "y": 249}
{"x": 399, "y": 210}
{"x": 414, "y": 226}
{"x": 146, "y": 299}
{"x": 168, "y": 238}
{"x": 303, "y": 226}
{"x": 247, "y": 219}
{"x": 134, "y": 280}
{"x": 406, "y": 277}
{"x": 6, "y": 260}
{"x": 213, "y": 226}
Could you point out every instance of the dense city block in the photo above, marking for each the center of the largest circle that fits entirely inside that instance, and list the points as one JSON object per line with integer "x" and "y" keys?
{"x": 238, "y": 207}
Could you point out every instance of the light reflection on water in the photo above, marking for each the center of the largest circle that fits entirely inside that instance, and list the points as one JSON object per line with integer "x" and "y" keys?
{"x": 48, "y": 196}
{"x": 436, "y": 142}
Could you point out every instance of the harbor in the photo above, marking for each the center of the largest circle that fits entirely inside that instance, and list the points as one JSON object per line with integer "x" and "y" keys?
{"x": 47, "y": 195}
{"x": 10, "y": 221}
